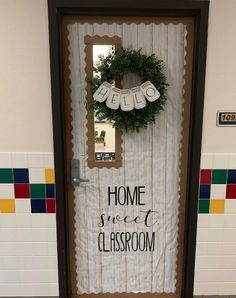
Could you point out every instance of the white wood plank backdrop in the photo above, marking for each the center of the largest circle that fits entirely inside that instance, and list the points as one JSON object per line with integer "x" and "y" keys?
{"x": 150, "y": 158}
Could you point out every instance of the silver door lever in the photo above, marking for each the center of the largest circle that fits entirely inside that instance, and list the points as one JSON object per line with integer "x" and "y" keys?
{"x": 75, "y": 173}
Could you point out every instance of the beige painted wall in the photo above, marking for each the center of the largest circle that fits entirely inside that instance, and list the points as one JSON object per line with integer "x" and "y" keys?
{"x": 220, "y": 92}
{"x": 25, "y": 105}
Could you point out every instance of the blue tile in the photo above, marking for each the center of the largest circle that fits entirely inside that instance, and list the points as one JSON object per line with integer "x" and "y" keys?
{"x": 38, "y": 206}
{"x": 231, "y": 177}
{"x": 205, "y": 191}
{"x": 50, "y": 191}
{"x": 21, "y": 175}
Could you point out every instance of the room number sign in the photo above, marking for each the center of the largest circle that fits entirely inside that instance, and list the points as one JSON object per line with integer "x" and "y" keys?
{"x": 226, "y": 119}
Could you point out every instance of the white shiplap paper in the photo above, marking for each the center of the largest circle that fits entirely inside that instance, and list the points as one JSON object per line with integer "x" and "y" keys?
{"x": 151, "y": 158}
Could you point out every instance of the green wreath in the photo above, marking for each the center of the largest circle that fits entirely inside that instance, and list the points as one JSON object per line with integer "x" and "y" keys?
{"x": 112, "y": 68}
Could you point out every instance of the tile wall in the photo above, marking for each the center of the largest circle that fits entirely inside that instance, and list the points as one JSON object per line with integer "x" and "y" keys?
{"x": 28, "y": 252}
{"x": 27, "y": 183}
{"x": 215, "y": 272}
{"x": 28, "y": 246}
{"x": 217, "y": 190}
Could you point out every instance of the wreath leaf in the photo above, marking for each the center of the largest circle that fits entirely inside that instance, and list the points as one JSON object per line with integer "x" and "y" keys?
{"x": 112, "y": 69}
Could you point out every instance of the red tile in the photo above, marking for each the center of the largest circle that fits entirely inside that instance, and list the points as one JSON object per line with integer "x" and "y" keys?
{"x": 205, "y": 177}
{"x": 21, "y": 191}
{"x": 51, "y": 205}
{"x": 231, "y": 191}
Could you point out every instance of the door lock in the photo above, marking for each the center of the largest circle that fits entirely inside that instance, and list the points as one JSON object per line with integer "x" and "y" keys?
{"x": 75, "y": 173}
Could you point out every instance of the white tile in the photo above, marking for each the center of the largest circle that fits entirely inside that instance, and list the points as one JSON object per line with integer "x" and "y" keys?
{"x": 10, "y": 289}
{"x": 35, "y": 220}
{"x": 220, "y": 161}
{"x": 28, "y": 249}
{"x": 206, "y": 161}
{"x": 44, "y": 220}
{"x": 23, "y": 206}
{"x": 206, "y": 288}
{"x": 28, "y": 235}
{"x": 216, "y": 220}
{"x": 39, "y": 289}
{"x": 5, "y": 160}
{"x": 51, "y": 235}
{"x": 36, "y": 160}
{"x": 201, "y": 249}
{"x": 209, "y": 235}
{"x": 15, "y": 220}
{"x": 215, "y": 262}
{"x": 40, "y": 235}
{"x": 28, "y": 276}
{"x": 215, "y": 275}
{"x": 227, "y": 248}
{"x": 20, "y": 160}
{"x": 49, "y": 160}
{"x": 10, "y": 276}
{"x": 228, "y": 235}
{"x": 229, "y": 221}
{"x": 230, "y": 206}
{"x": 227, "y": 288}
{"x": 218, "y": 191}
{"x": 16, "y": 263}
{"x": 38, "y": 276}
{"x": 202, "y": 221}
{"x": 45, "y": 262}
{"x": 28, "y": 263}
{"x": 7, "y": 191}
{"x": 52, "y": 249}
{"x": 215, "y": 248}
{"x": 36, "y": 175}
{"x": 211, "y": 220}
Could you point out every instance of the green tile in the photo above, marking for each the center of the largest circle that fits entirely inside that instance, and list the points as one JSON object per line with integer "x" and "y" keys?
{"x": 203, "y": 206}
{"x": 219, "y": 176}
{"x": 37, "y": 191}
{"x": 6, "y": 176}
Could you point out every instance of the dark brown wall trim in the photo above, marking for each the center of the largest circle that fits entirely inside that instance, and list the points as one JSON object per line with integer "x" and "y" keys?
{"x": 148, "y": 8}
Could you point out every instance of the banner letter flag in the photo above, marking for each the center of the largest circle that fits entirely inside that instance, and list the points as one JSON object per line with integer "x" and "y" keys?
{"x": 113, "y": 100}
{"x": 102, "y": 92}
{"x": 149, "y": 91}
{"x": 139, "y": 99}
{"x": 126, "y": 100}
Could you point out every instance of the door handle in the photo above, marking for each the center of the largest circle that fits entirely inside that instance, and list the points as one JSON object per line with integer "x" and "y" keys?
{"x": 75, "y": 173}
{"x": 77, "y": 180}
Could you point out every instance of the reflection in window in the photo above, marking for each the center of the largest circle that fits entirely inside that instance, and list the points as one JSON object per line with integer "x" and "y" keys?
{"x": 104, "y": 133}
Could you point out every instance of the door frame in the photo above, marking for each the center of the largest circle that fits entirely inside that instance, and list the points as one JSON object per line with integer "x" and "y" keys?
{"x": 57, "y": 9}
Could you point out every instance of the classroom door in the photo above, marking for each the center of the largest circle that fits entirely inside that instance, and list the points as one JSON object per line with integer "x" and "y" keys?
{"x": 127, "y": 190}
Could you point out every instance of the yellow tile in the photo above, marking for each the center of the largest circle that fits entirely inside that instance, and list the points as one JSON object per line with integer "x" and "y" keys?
{"x": 7, "y": 206}
{"x": 49, "y": 176}
{"x": 217, "y": 206}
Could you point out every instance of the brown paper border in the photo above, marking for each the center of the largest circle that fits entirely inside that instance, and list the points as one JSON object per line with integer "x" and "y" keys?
{"x": 92, "y": 163}
{"x": 184, "y": 151}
